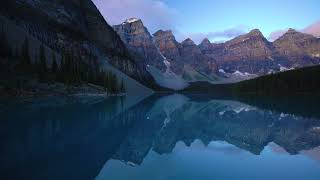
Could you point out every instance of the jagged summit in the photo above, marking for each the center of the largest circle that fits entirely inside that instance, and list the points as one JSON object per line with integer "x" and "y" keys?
{"x": 205, "y": 41}
{"x": 294, "y": 35}
{"x": 299, "y": 47}
{"x": 205, "y": 45}
{"x": 131, "y": 20}
{"x": 255, "y": 32}
{"x": 131, "y": 26}
{"x": 290, "y": 30}
{"x": 163, "y": 33}
{"x": 139, "y": 40}
{"x": 188, "y": 41}
{"x": 254, "y": 35}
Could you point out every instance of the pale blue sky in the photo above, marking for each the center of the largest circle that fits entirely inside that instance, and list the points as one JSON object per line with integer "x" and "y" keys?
{"x": 267, "y": 15}
{"x": 216, "y": 19}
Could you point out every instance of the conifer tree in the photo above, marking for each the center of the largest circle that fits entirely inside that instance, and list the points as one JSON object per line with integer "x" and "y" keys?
{"x": 5, "y": 49}
{"x": 25, "y": 63}
{"x": 54, "y": 66}
{"x": 42, "y": 65}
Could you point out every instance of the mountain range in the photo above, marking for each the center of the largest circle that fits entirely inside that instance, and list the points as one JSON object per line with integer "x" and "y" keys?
{"x": 244, "y": 57}
{"x": 145, "y": 61}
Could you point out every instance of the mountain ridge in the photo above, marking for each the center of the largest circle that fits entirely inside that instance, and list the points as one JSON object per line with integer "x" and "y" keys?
{"x": 250, "y": 54}
{"x": 76, "y": 27}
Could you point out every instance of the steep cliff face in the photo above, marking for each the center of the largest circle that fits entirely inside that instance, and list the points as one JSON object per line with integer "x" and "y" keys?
{"x": 206, "y": 46}
{"x": 192, "y": 56}
{"x": 253, "y": 53}
{"x": 139, "y": 41}
{"x": 249, "y": 46}
{"x": 250, "y": 53}
{"x": 76, "y": 26}
{"x": 170, "y": 48}
{"x": 184, "y": 57}
{"x": 300, "y": 49}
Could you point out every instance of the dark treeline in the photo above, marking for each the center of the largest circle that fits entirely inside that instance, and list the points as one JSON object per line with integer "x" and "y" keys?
{"x": 304, "y": 80}
{"x": 71, "y": 69}
{"x": 5, "y": 50}
{"x": 300, "y": 81}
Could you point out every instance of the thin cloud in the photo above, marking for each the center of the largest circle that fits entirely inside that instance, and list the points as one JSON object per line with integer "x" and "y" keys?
{"x": 276, "y": 34}
{"x": 155, "y": 14}
{"x": 313, "y": 29}
{"x": 217, "y": 36}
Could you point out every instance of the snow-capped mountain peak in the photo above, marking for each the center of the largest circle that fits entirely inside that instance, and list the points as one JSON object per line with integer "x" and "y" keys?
{"x": 131, "y": 20}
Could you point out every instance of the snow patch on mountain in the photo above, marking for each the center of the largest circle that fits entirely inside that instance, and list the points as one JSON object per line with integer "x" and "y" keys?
{"x": 236, "y": 76}
{"x": 222, "y": 71}
{"x": 316, "y": 55}
{"x": 282, "y": 68}
{"x": 167, "y": 79}
{"x": 238, "y": 73}
{"x": 167, "y": 63}
{"x": 271, "y": 71}
{"x": 131, "y": 20}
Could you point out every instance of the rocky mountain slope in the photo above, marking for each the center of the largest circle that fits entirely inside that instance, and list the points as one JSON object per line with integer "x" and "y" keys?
{"x": 76, "y": 26}
{"x": 138, "y": 39}
{"x": 162, "y": 50}
{"x": 254, "y": 54}
{"x": 185, "y": 56}
{"x": 250, "y": 53}
{"x": 141, "y": 44}
{"x": 244, "y": 57}
{"x": 300, "y": 49}
{"x": 170, "y": 48}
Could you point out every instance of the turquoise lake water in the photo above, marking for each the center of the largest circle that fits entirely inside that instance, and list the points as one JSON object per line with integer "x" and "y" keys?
{"x": 163, "y": 137}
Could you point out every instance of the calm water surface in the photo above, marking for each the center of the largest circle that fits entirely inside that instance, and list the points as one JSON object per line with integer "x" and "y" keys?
{"x": 162, "y": 137}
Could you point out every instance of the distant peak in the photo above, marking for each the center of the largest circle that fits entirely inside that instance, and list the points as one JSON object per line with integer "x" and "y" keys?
{"x": 162, "y": 33}
{"x": 205, "y": 41}
{"x": 255, "y": 32}
{"x": 188, "y": 41}
{"x": 131, "y": 20}
{"x": 290, "y": 30}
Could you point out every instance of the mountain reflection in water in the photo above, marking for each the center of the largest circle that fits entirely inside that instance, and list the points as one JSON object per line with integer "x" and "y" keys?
{"x": 169, "y": 137}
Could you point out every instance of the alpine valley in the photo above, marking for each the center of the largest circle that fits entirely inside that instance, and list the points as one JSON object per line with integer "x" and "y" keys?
{"x": 89, "y": 93}
{"x": 49, "y": 31}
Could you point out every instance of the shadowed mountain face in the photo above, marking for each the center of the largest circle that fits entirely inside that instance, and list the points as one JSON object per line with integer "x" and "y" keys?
{"x": 244, "y": 57}
{"x": 253, "y": 53}
{"x": 184, "y": 55}
{"x": 74, "y": 25}
{"x": 139, "y": 41}
{"x": 162, "y": 46}
{"x": 170, "y": 48}
{"x": 247, "y": 53}
{"x": 301, "y": 49}
{"x": 81, "y": 141}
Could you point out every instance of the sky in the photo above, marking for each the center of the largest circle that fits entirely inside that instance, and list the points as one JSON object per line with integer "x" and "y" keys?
{"x": 218, "y": 20}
